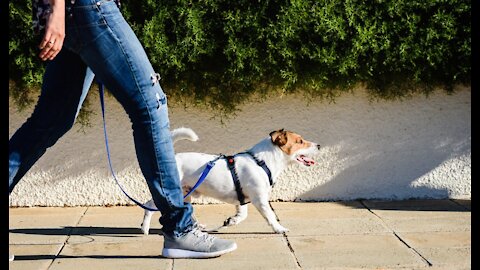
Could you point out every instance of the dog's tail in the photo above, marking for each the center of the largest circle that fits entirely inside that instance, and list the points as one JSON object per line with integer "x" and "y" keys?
{"x": 183, "y": 133}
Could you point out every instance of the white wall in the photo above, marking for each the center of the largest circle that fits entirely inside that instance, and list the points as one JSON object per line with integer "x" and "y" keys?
{"x": 415, "y": 148}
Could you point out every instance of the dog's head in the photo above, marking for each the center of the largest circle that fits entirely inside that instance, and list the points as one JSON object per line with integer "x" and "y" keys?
{"x": 295, "y": 146}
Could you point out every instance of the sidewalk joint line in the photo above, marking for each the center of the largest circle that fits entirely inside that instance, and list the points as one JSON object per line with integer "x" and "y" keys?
{"x": 289, "y": 245}
{"x": 396, "y": 235}
{"x": 413, "y": 249}
{"x": 68, "y": 237}
{"x": 291, "y": 249}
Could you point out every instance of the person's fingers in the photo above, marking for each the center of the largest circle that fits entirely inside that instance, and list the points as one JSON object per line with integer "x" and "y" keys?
{"x": 51, "y": 49}
{"x": 56, "y": 49}
{"x": 45, "y": 51}
{"x": 49, "y": 55}
{"x": 46, "y": 40}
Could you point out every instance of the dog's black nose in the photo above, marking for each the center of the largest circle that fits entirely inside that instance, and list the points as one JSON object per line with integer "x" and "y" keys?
{"x": 318, "y": 146}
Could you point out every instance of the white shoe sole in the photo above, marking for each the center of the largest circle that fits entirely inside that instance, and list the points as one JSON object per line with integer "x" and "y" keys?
{"x": 188, "y": 254}
{"x": 11, "y": 257}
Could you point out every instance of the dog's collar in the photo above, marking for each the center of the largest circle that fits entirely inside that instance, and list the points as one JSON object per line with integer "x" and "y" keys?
{"x": 262, "y": 164}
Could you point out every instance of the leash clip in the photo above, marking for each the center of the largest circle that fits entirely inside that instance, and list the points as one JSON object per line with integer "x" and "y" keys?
{"x": 210, "y": 164}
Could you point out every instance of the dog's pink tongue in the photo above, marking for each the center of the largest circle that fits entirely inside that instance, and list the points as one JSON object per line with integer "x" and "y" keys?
{"x": 306, "y": 160}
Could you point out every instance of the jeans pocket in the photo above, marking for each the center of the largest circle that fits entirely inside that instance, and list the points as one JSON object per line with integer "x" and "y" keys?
{"x": 110, "y": 11}
{"x": 86, "y": 16}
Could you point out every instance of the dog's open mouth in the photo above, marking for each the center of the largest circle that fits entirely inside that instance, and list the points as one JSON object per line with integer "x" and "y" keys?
{"x": 305, "y": 160}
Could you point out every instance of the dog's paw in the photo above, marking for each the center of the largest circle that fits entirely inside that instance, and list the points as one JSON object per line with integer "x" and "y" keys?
{"x": 231, "y": 221}
{"x": 228, "y": 222}
{"x": 145, "y": 229}
{"x": 281, "y": 229}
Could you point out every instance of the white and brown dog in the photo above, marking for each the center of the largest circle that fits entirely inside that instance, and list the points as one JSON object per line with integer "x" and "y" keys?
{"x": 256, "y": 171}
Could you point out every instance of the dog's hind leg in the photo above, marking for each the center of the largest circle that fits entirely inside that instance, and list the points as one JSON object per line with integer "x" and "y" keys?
{"x": 241, "y": 215}
{"x": 263, "y": 206}
{"x": 147, "y": 217}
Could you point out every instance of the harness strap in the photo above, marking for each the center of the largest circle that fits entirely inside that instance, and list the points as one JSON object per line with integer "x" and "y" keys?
{"x": 264, "y": 166}
{"x": 238, "y": 187}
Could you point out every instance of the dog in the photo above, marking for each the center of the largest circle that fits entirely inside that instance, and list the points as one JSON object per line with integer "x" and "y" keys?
{"x": 256, "y": 169}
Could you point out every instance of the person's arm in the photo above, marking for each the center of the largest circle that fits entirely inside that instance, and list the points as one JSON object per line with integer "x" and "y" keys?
{"x": 52, "y": 41}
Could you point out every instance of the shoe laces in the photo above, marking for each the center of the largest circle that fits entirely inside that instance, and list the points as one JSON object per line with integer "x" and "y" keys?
{"x": 203, "y": 235}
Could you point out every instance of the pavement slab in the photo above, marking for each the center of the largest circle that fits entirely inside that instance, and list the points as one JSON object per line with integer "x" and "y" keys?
{"x": 112, "y": 256}
{"x": 113, "y": 224}
{"x": 422, "y": 215}
{"x": 42, "y": 225}
{"x": 354, "y": 251}
{"x": 366, "y": 234}
{"x": 329, "y": 218}
{"x": 442, "y": 249}
{"x": 213, "y": 217}
{"x": 33, "y": 256}
{"x": 252, "y": 253}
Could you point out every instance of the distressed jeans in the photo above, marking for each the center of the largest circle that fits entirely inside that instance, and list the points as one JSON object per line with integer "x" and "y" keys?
{"x": 99, "y": 41}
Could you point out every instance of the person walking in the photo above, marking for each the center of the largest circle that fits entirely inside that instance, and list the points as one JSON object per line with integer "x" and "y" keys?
{"x": 83, "y": 39}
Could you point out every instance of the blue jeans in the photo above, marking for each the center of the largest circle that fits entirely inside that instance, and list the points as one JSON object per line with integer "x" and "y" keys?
{"x": 99, "y": 40}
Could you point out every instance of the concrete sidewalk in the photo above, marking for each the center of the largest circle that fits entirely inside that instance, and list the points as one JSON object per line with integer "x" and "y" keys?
{"x": 413, "y": 234}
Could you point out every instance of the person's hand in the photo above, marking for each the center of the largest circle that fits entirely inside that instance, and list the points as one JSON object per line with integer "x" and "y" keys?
{"x": 52, "y": 41}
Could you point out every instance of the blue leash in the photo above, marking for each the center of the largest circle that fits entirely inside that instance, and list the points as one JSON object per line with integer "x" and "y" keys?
{"x": 205, "y": 172}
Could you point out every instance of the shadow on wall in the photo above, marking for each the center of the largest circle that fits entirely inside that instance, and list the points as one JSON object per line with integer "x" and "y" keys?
{"x": 423, "y": 158}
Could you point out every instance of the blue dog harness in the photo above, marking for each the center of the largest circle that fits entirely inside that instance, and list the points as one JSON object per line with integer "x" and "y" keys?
{"x": 231, "y": 166}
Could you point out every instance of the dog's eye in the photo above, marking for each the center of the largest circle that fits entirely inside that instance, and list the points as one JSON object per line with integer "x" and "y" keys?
{"x": 300, "y": 141}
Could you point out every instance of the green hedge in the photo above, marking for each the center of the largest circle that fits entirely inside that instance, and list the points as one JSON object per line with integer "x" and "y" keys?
{"x": 220, "y": 53}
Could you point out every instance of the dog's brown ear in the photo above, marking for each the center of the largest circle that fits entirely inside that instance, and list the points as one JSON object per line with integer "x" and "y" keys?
{"x": 279, "y": 137}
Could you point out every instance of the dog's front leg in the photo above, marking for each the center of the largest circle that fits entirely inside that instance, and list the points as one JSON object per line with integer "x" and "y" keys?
{"x": 241, "y": 215}
{"x": 147, "y": 217}
{"x": 264, "y": 208}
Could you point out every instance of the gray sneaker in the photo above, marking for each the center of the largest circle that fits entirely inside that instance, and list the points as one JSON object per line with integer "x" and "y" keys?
{"x": 196, "y": 244}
